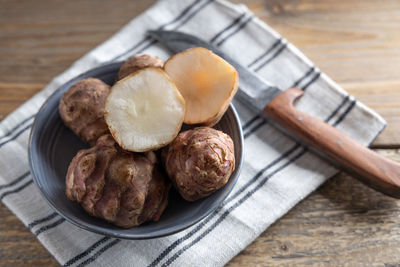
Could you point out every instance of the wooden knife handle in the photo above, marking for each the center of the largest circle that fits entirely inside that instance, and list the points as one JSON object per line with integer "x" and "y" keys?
{"x": 371, "y": 168}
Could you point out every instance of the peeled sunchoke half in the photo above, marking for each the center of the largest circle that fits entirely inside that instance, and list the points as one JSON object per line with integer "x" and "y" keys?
{"x": 199, "y": 162}
{"x": 135, "y": 63}
{"x": 206, "y": 81}
{"x": 82, "y": 109}
{"x": 145, "y": 110}
{"x": 126, "y": 189}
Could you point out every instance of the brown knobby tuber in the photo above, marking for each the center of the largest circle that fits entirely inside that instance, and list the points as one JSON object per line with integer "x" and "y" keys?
{"x": 135, "y": 63}
{"x": 82, "y": 109}
{"x": 124, "y": 188}
{"x": 199, "y": 162}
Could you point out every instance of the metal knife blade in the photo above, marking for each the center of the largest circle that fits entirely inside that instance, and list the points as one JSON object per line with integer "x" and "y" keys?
{"x": 253, "y": 91}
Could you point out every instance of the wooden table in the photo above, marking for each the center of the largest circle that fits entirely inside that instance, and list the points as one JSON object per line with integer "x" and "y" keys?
{"x": 356, "y": 42}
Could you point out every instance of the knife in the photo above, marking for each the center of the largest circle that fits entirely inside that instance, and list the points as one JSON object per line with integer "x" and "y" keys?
{"x": 278, "y": 106}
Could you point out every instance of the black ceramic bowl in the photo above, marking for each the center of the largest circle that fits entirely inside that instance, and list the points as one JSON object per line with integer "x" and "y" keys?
{"x": 52, "y": 146}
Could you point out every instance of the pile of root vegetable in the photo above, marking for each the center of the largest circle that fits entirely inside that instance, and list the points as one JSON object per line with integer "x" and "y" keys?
{"x": 134, "y": 130}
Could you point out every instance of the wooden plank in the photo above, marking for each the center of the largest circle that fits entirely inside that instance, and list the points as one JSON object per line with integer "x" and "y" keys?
{"x": 357, "y": 43}
{"x": 40, "y": 39}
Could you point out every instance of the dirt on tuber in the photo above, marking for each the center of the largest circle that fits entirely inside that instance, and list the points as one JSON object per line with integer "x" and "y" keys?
{"x": 126, "y": 189}
{"x": 199, "y": 162}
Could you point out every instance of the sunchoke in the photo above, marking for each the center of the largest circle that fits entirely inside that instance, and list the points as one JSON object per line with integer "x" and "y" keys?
{"x": 199, "y": 162}
{"x": 126, "y": 189}
{"x": 145, "y": 110}
{"x": 207, "y": 83}
{"x": 82, "y": 109}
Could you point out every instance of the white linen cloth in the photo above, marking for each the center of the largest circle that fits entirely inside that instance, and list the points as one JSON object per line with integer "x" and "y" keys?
{"x": 277, "y": 173}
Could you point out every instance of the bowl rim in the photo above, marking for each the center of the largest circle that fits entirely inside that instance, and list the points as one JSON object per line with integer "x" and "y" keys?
{"x": 111, "y": 232}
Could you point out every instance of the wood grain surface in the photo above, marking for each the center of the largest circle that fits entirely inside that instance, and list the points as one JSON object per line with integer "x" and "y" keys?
{"x": 357, "y": 43}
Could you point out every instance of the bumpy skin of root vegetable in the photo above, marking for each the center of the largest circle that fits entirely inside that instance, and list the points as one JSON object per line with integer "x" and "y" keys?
{"x": 123, "y": 188}
{"x": 82, "y": 109}
{"x": 135, "y": 63}
{"x": 199, "y": 162}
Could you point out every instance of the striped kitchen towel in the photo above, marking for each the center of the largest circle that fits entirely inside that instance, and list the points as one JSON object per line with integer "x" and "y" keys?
{"x": 277, "y": 172}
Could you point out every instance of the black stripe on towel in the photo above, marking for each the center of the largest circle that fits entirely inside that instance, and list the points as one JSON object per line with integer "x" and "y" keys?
{"x": 347, "y": 111}
{"x": 179, "y": 25}
{"x": 49, "y": 226}
{"x": 16, "y": 190}
{"x": 316, "y": 77}
{"x": 255, "y": 128}
{"x": 42, "y": 220}
{"x": 234, "y": 22}
{"x": 16, "y": 135}
{"x": 191, "y": 15}
{"x": 269, "y": 50}
{"x": 19, "y": 179}
{"x": 181, "y": 15}
{"x": 344, "y": 101}
{"x": 148, "y": 38}
{"x": 87, "y": 251}
{"x": 17, "y": 126}
{"x": 98, "y": 253}
{"x": 242, "y": 25}
{"x": 249, "y": 122}
{"x": 277, "y": 53}
{"x": 296, "y": 83}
